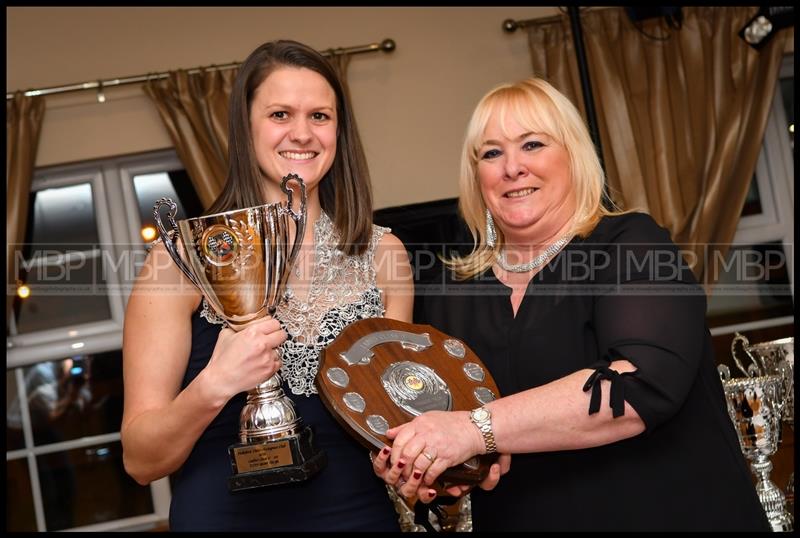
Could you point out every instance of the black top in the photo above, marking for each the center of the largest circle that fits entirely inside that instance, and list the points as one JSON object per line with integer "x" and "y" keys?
{"x": 622, "y": 291}
{"x": 345, "y": 496}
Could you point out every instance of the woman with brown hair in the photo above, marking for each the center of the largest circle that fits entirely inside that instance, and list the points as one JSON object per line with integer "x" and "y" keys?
{"x": 186, "y": 374}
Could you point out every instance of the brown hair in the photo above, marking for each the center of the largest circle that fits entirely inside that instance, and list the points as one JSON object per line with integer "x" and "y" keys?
{"x": 345, "y": 191}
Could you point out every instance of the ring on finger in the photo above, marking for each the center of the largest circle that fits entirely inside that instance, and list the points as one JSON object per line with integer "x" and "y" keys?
{"x": 430, "y": 457}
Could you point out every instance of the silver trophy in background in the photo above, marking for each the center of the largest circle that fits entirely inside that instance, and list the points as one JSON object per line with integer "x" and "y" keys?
{"x": 240, "y": 260}
{"x": 755, "y": 405}
{"x": 770, "y": 358}
{"x": 775, "y": 357}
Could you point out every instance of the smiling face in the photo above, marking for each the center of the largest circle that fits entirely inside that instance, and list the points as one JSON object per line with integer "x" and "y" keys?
{"x": 293, "y": 124}
{"x": 524, "y": 178}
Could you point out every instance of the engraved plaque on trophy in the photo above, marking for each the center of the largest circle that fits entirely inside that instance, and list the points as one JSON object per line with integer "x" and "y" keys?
{"x": 380, "y": 373}
{"x": 240, "y": 261}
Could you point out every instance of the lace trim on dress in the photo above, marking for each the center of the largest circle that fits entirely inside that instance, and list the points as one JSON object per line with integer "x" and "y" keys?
{"x": 211, "y": 315}
{"x": 343, "y": 289}
{"x": 301, "y": 360}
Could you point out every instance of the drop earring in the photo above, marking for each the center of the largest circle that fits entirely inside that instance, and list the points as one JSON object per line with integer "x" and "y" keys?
{"x": 491, "y": 234}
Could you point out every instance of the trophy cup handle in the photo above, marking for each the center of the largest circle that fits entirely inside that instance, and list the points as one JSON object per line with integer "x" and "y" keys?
{"x": 171, "y": 242}
{"x": 724, "y": 372}
{"x": 754, "y": 369}
{"x": 299, "y": 217}
{"x": 290, "y": 195}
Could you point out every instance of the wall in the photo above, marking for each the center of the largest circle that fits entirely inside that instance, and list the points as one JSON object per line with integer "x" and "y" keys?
{"x": 412, "y": 105}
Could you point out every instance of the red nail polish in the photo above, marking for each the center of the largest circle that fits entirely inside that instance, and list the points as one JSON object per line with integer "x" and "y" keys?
{"x": 432, "y": 493}
{"x": 385, "y": 451}
{"x": 417, "y": 475}
{"x": 401, "y": 464}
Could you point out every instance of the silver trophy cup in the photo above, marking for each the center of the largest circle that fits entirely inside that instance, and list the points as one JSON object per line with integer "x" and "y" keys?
{"x": 770, "y": 358}
{"x": 777, "y": 358}
{"x": 754, "y": 405}
{"x": 240, "y": 261}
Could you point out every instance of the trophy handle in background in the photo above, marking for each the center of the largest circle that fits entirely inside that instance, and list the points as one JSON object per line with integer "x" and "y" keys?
{"x": 749, "y": 370}
{"x": 754, "y": 406}
{"x": 171, "y": 243}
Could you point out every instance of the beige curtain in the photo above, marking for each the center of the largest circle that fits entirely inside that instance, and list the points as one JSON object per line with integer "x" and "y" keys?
{"x": 340, "y": 63}
{"x": 680, "y": 119}
{"x": 23, "y": 125}
{"x": 194, "y": 108}
{"x": 553, "y": 58}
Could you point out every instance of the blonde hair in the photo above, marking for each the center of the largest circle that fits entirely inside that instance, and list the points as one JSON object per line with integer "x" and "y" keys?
{"x": 537, "y": 107}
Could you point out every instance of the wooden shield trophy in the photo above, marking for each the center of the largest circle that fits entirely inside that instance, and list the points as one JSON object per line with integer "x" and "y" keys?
{"x": 380, "y": 373}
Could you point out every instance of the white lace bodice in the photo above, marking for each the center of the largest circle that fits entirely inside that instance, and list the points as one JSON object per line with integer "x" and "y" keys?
{"x": 342, "y": 289}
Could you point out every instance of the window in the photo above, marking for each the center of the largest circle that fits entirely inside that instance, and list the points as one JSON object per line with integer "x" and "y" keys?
{"x": 87, "y": 228}
{"x": 755, "y": 292}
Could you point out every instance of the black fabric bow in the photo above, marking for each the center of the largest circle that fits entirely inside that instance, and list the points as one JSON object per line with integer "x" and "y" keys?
{"x": 602, "y": 371}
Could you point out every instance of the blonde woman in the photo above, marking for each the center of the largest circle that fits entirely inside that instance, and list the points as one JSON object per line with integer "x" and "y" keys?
{"x": 593, "y": 328}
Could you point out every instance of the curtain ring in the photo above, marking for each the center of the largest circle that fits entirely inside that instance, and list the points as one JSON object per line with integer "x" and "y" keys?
{"x": 101, "y": 97}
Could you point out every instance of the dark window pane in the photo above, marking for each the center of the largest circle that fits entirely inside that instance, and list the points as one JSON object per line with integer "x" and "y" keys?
{"x": 75, "y": 397}
{"x": 752, "y": 204}
{"x": 14, "y": 437}
{"x": 64, "y": 291}
{"x": 188, "y": 196}
{"x": 63, "y": 215}
{"x": 753, "y": 284}
{"x": 61, "y": 262}
{"x": 175, "y": 185}
{"x": 89, "y": 485}
{"x": 787, "y": 91}
{"x": 20, "y": 515}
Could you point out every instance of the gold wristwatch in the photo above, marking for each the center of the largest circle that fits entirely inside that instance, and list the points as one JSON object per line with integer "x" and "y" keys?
{"x": 482, "y": 418}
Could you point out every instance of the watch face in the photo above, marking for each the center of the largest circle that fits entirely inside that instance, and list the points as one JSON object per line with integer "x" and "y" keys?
{"x": 480, "y": 414}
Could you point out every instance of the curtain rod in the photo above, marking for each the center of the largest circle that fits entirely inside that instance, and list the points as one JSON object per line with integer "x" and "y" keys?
{"x": 387, "y": 45}
{"x": 574, "y": 16}
{"x": 510, "y": 25}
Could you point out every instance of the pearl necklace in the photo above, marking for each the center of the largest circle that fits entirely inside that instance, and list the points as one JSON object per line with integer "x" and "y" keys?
{"x": 534, "y": 263}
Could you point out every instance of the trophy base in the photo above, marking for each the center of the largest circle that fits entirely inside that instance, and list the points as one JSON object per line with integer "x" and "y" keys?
{"x": 270, "y": 463}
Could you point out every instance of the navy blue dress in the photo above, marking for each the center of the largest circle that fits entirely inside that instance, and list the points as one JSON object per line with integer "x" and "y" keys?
{"x": 345, "y": 496}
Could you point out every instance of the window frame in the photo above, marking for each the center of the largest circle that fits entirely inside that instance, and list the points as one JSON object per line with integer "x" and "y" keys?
{"x": 118, "y": 225}
{"x": 38, "y": 346}
{"x": 775, "y": 179}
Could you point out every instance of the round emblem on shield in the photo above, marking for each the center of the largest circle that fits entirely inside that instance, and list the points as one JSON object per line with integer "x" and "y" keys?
{"x": 219, "y": 244}
{"x": 416, "y": 388}
{"x": 413, "y": 382}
